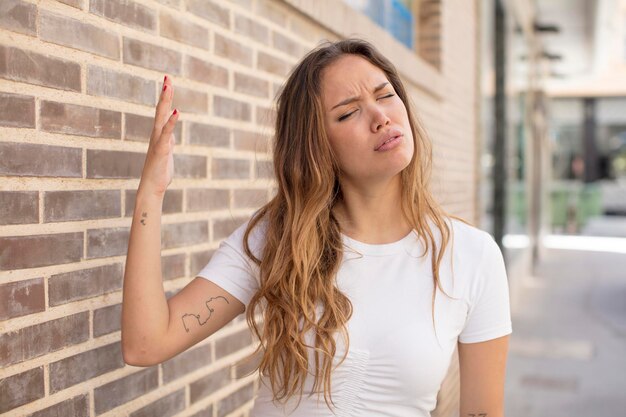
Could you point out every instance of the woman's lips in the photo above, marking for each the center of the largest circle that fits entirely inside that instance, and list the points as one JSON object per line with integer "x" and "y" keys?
{"x": 395, "y": 141}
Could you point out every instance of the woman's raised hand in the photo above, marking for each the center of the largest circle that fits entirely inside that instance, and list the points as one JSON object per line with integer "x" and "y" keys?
{"x": 158, "y": 168}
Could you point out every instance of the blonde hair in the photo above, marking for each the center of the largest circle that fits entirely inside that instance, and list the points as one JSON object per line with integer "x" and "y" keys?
{"x": 303, "y": 246}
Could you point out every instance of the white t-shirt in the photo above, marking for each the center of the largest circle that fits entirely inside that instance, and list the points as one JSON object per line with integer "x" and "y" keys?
{"x": 395, "y": 363}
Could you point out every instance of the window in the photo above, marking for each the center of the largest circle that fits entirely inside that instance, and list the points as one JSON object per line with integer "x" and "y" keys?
{"x": 415, "y": 23}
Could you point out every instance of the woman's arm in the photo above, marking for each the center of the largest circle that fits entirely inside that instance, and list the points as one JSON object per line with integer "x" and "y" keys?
{"x": 483, "y": 367}
{"x": 154, "y": 328}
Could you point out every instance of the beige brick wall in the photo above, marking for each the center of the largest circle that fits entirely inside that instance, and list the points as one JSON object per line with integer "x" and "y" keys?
{"x": 79, "y": 80}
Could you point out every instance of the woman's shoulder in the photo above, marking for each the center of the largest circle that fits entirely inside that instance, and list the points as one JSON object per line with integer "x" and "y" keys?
{"x": 464, "y": 234}
{"x": 467, "y": 233}
{"x": 474, "y": 244}
{"x": 466, "y": 241}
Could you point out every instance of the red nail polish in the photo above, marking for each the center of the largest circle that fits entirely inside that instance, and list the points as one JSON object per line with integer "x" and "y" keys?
{"x": 164, "y": 87}
{"x": 165, "y": 79}
{"x": 175, "y": 111}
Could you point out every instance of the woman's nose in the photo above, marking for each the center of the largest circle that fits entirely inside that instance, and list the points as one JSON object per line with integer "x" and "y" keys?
{"x": 379, "y": 119}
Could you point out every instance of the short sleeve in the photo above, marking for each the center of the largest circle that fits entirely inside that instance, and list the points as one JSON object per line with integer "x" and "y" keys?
{"x": 231, "y": 269}
{"x": 489, "y": 315}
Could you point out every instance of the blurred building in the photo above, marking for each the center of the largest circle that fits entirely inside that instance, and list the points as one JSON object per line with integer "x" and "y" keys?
{"x": 515, "y": 152}
{"x": 586, "y": 86}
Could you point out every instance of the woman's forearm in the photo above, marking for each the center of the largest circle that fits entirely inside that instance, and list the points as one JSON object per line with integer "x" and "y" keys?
{"x": 145, "y": 312}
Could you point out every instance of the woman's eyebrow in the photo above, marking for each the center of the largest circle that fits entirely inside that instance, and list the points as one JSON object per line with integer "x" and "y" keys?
{"x": 351, "y": 99}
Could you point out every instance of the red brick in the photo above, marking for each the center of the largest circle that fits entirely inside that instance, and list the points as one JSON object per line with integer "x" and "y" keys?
{"x": 18, "y": 16}
{"x": 17, "y": 110}
{"x": 266, "y": 9}
{"x": 19, "y": 207}
{"x": 253, "y": 86}
{"x": 265, "y": 116}
{"x": 232, "y": 343}
{"x": 173, "y": 266}
{"x": 127, "y": 13}
{"x": 287, "y": 45}
{"x": 176, "y": 235}
{"x": 230, "y": 168}
{"x": 20, "y": 389}
{"x": 264, "y": 169}
{"x": 121, "y": 391}
{"x": 235, "y": 400}
{"x": 250, "y": 141}
{"x": 250, "y": 198}
{"x": 153, "y": 57}
{"x": 21, "y": 298}
{"x": 18, "y": 252}
{"x": 207, "y": 385}
{"x": 103, "y": 82}
{"x": 84, "y": 283}
{"x": 72, "y": 119}
{"x": 81, "y": 205}
{"x": 186, "y": 362}
{"x": 74, "y": 407}
{"x": 107, "y": 242}
{"x": 223, "y": 228}
{"x": 190, "y": 100}
{"x": 233, "y": 50}
{"x": 305, "y": 29}
{"x": 139, "y": 128}
{"x": 209, "y": 10}
{"x": 114, "y": 164}
{"x": 107, "y": 320}
{"x": 75, "y": 34}
{"x": 272, "y": 64}
{"x": 172, "y": 202}
{"x": 190, "y": 166}
{"x": 199, "y": 260}
{"x": 208, "y": 135}
{"x": 203, "y": 199}
{"x": 231, "y": 109}
{"x": 183, "y": 30}
{"x": 84, "y": 366}
{"x": 252, "y": 29}
{"x": 27, "y": 159}
{"x": 33, "y": 341}
{"x": 244, "y": 368}
{"x": 277, "y": 89}
{"x": 164, "y": 407}
{"x": 205, "y": 72}
{"x": 33, "y": 68}
{"x": 205, "y": 412}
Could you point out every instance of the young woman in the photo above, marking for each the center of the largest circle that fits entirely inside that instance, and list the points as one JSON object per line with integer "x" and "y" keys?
{"x": 356, "y": 282}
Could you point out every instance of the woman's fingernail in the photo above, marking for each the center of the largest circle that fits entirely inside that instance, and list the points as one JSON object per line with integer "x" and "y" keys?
{"x": 175, "y": 111}
{"x": 164, "y": 87}
{"x": 165, "y": 79}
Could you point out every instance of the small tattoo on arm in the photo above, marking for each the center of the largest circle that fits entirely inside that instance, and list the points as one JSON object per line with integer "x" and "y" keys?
{"x": 189, "y": 317}
{"x": 144, "y": 215}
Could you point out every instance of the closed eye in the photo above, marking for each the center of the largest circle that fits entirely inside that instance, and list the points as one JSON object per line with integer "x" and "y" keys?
{"x": 345, "y": 116}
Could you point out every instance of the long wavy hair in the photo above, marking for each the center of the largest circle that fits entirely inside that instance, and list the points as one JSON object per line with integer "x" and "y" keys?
{"x": 303, "y": 246}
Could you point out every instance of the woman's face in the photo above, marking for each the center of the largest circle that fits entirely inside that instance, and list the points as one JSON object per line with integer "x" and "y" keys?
{"x": 356, "y": 128}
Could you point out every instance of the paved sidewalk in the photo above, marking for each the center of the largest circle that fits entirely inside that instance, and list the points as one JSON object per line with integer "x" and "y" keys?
{"x": 567, "y": 354}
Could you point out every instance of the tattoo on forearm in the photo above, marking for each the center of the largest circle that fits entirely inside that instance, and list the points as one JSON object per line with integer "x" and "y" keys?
{"x": 144, "y": 215}
{"x": 477, "y": 415}
{"x": 189, "y": 317}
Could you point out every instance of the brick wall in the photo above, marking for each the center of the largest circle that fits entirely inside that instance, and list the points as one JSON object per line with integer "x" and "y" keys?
{"x": 79, "y": 80}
